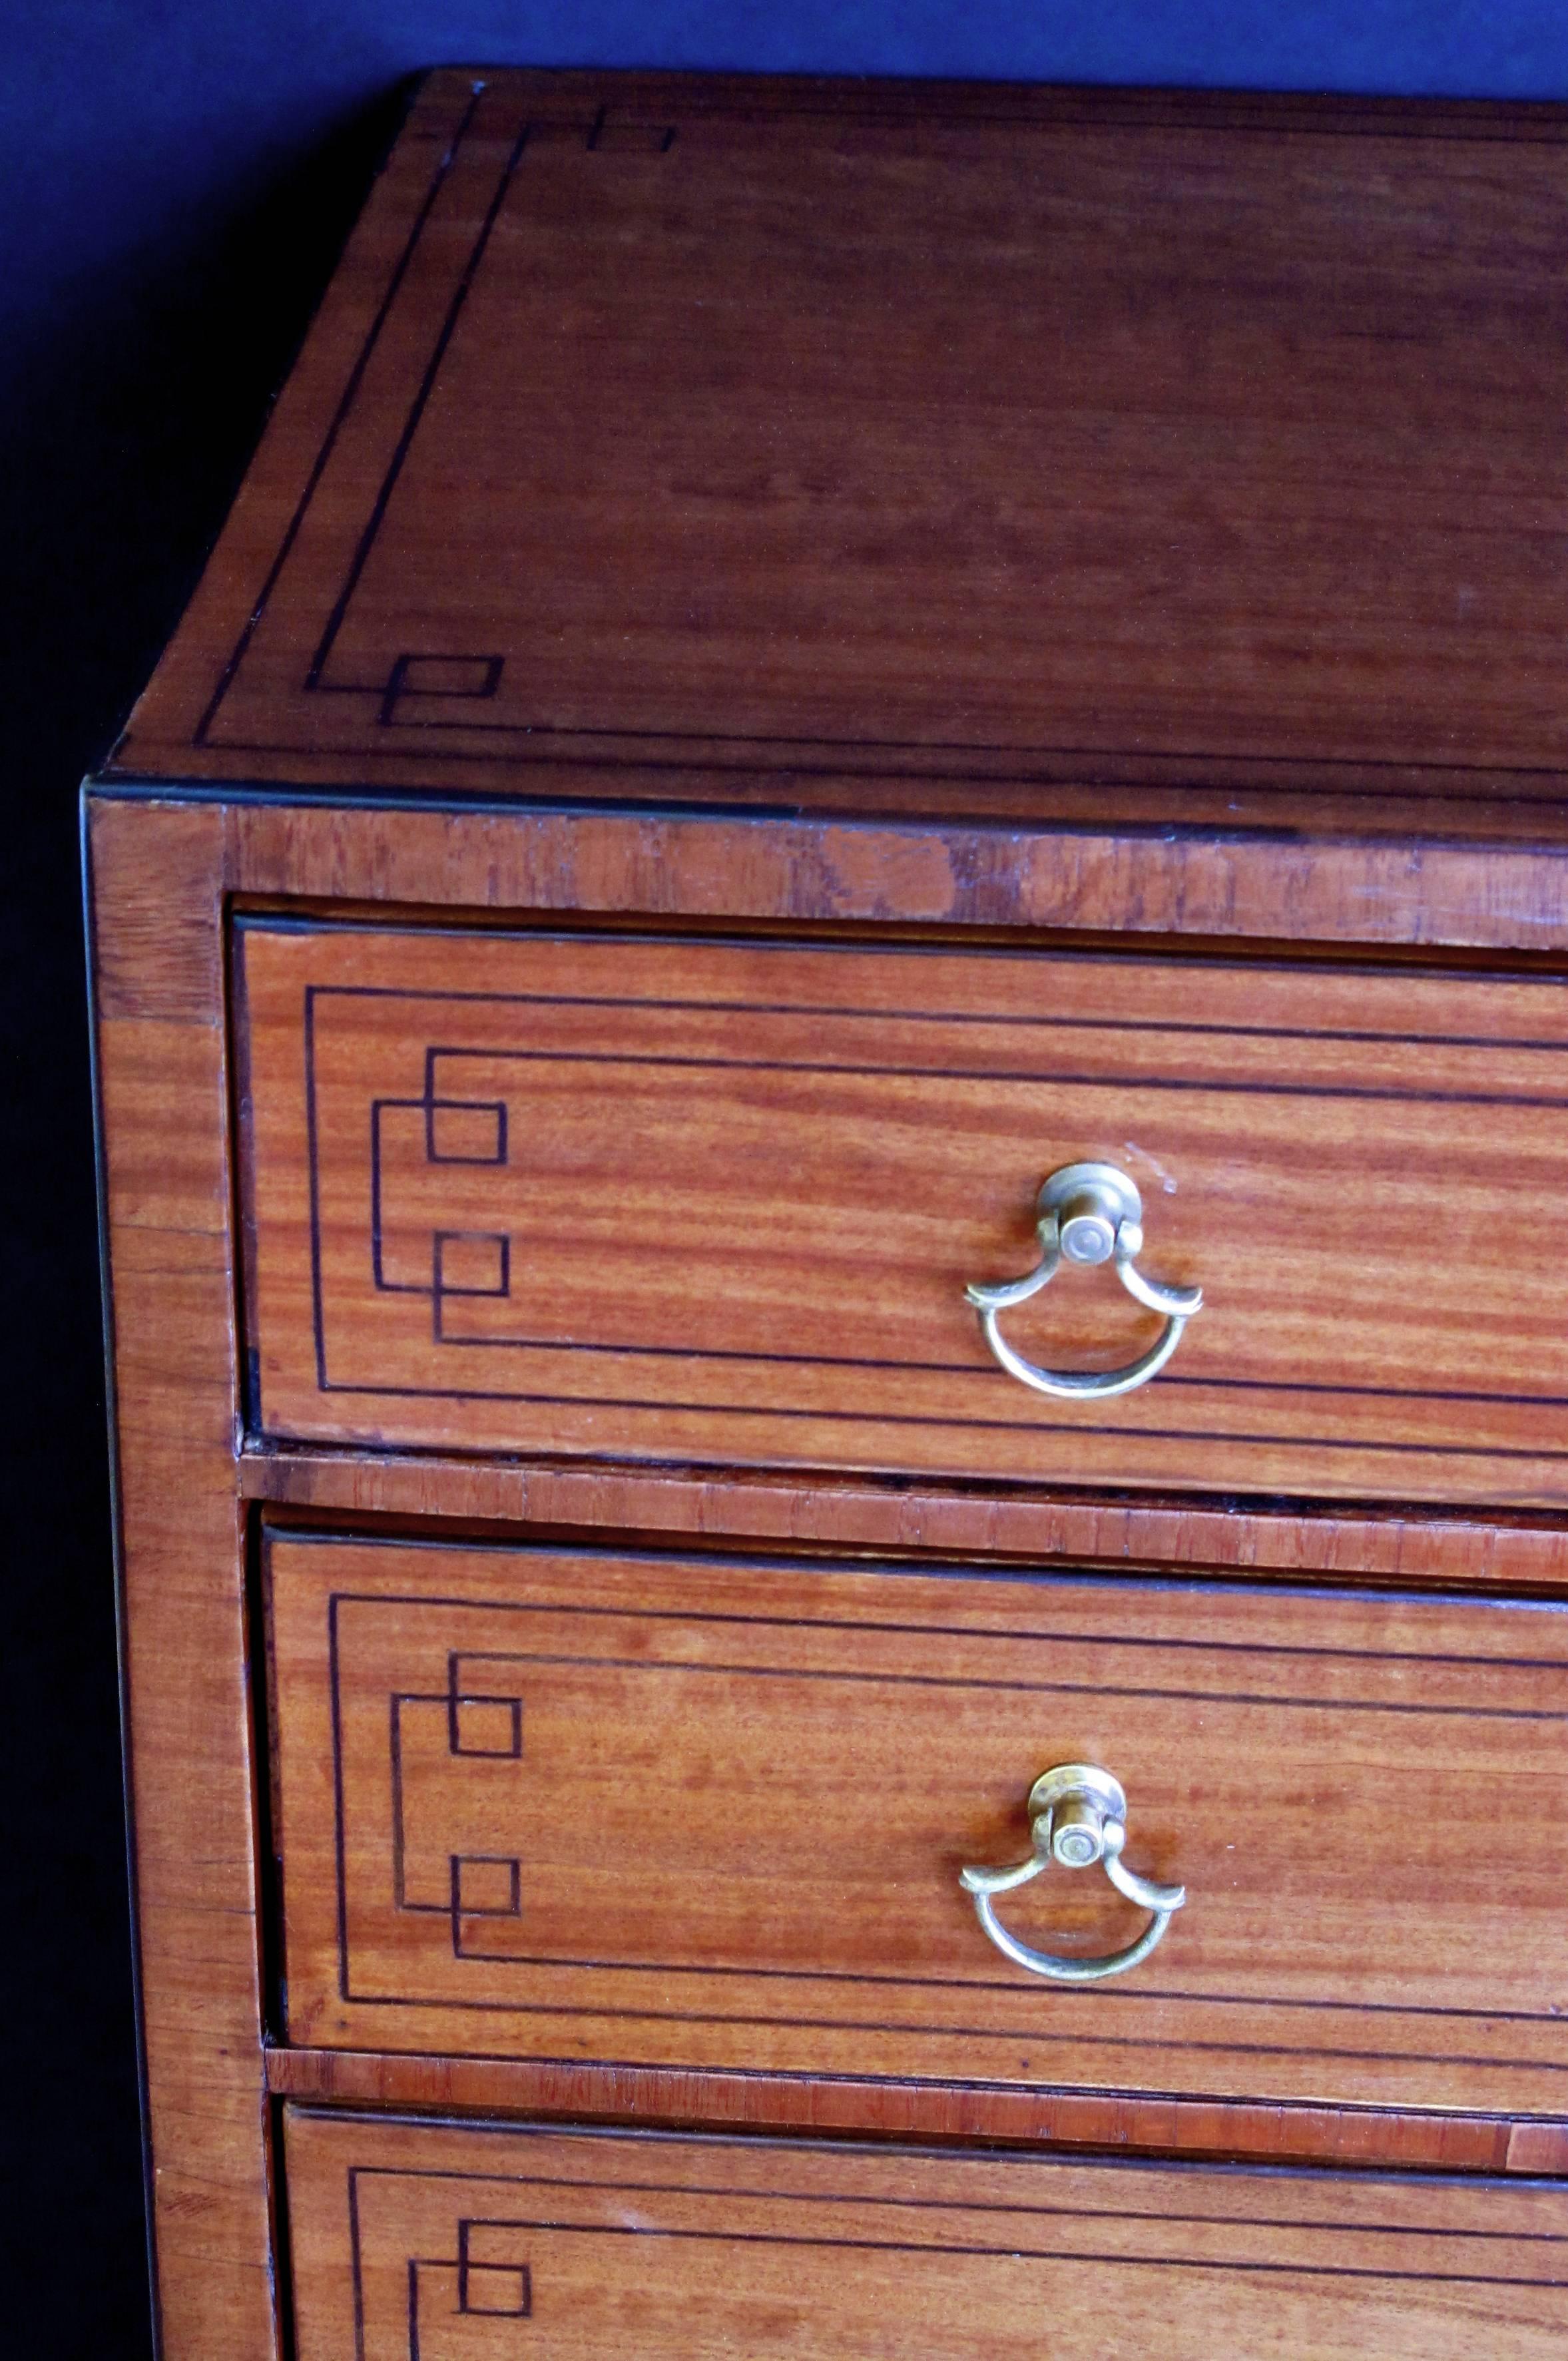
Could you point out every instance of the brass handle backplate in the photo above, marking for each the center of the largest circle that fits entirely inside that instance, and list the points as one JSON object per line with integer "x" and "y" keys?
{"x": 1078, "y": 1815}
{"x": 1089, "y": 1214}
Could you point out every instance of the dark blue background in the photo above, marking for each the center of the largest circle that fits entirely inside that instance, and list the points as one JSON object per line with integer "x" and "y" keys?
{"x": 129, "y": 136}
{"x": 176, "y": 177}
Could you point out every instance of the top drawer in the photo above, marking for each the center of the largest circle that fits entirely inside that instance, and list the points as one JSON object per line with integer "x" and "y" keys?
{"x": 720, "y": 1202}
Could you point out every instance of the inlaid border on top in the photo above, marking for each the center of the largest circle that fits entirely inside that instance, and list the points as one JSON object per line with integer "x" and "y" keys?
{"x": 731, "y": 750}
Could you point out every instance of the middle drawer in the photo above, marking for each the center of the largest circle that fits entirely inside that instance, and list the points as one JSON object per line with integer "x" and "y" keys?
{"x": 716, "y": 1813}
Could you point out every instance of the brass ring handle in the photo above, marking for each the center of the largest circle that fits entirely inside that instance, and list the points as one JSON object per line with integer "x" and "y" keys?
{"x": 1078, "y": 1815}
{"x": 1089, "y": 1214}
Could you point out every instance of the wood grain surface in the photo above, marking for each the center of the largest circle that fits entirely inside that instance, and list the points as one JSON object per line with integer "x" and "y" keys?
{"x": 1113, "y": 2122}
{"x": 426, "y": 2243}
{"x": 155, "y": 918}
{"x": 161, "y": 873}
{"x": 811, "y": 442}
{"x": 1092, "y": 875}
{"x": 573, "y": 1805}
{"x": 956, "y": 529}
{"x": 408, "y": 1490}
{"x": 719, "y": 1201}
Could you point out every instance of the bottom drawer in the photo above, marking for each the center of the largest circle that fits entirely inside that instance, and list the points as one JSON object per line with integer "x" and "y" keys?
{"x": 437, "y": 2242}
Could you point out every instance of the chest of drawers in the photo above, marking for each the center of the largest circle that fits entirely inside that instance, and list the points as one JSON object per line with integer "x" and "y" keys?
{"x": 830, "y": 982}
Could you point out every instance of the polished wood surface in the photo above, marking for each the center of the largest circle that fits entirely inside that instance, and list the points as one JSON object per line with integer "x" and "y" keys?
{"x": 163, "y": 873}
{"x": 425, "y": 2243}
{"x": 1090, "y": 876}
{"x": 1133, "y": 2123}
{"x": 1130, "y": 578}
{"x": 719, "y": 1201}
{"x": 707, "y": 1812}
{"x": 167, "y": 1192}
{"x": 922, "y": 449}
{"x": 407, "y": 1490}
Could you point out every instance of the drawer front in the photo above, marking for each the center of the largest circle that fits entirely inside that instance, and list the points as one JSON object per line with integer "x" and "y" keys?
{"x": 722, "y": 1201}
{"x": 714, "y": 1814}
{"x": 430, "y": 2242}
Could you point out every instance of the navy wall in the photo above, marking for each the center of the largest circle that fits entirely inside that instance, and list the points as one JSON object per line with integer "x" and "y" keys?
{"x": 130, "y": 134}
{"x": 175, "y": 177}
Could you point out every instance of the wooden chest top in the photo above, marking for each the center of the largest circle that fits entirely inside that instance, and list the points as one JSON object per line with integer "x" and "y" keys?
{"x": 965, "y": 452}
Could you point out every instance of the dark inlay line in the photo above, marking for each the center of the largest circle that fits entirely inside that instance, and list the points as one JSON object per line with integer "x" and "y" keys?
{"x": 1046, "y": 1080}
{"x": 1033, "y": 2209}
{"x": 443, "y": 1333}
{"x": 974, "y": 1631}
{"x": 1023, "y": 2254}
{"x": 1043, "y": 1021}
{"x": 410, "y": 424}
{"x": 933, "y": 748}
{"x": 339, "y": 417}
{"x": 581, "y": 2010}
{"x": 1050, "y": 1688}
{"x": 1492, "y": 790}
{"x": 965, "y": 1425}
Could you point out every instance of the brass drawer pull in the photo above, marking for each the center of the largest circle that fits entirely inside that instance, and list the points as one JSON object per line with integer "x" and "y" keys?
{"x": 1089, "y": 1214}
{"x": 1078, "y": 1815}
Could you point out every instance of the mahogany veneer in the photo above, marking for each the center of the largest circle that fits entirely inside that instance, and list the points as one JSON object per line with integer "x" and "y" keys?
{"x": 713, "y": 1812}
{"x": 720, "y": 1202}
{"x": 419, "y": 2240}
{"x": 797, "y": 655}
{"x": 960, "y": 451}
